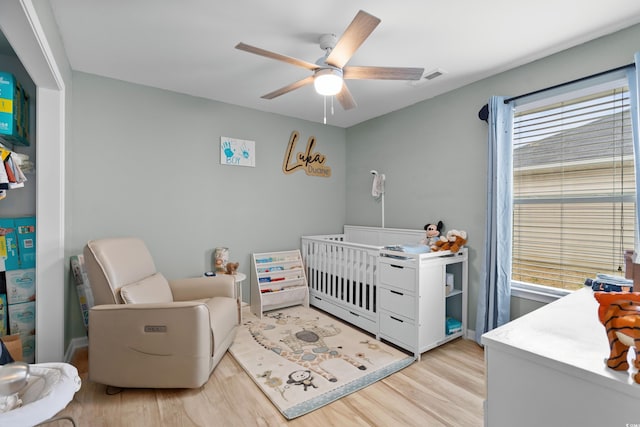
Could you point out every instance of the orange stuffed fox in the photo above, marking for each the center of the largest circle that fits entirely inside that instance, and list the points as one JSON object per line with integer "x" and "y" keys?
{"x": 619, "y": 312}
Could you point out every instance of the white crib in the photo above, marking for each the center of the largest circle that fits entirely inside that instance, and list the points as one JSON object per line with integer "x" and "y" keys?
{"x": 341, "y": 270}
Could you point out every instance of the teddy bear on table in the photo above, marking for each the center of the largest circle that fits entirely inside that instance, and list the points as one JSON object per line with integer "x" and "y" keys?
{"x": 453, "y": 241}
{"x": 232, "y": 267}
{"x": 432, "y": 233}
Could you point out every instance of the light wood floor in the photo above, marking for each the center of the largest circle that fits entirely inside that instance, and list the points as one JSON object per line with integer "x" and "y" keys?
{"x": 446, "y": 388}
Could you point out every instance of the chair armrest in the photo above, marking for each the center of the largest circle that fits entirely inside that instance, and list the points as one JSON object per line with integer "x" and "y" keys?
{"x": 196, "y": 288}
{"x": 150, "y": 345}
{"x": 182, "y": 318}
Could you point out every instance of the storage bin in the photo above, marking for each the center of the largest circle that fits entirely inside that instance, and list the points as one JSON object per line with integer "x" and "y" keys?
{"x": 453, "y": 326}
{"x": 14, "y": 110}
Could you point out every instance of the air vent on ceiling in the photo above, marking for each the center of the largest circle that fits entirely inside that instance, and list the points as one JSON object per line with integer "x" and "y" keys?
{"x": 433, "y": 74}
{"x": 427, "y": 77}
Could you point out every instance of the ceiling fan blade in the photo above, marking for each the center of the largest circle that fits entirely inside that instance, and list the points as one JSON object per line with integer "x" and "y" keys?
{"x": 276, "y": 56}
{"x": 356, "y": 33}
{"x": 382, "y": 73}
{"x": 345, "y": 99}
{"x": 289, "y": 88}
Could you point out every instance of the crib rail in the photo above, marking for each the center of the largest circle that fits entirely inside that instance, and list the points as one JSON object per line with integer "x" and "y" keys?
{"x": 341, "y": 272}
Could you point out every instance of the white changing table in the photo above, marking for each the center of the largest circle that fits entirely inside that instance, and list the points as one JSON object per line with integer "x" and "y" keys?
{"x": 547, "y": 368}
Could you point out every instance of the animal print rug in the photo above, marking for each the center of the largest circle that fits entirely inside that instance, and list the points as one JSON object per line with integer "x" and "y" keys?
{"x": 303, "y": 359}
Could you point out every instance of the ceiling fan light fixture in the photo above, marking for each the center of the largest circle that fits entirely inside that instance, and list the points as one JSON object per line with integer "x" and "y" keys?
{"x": 328, "y": 81}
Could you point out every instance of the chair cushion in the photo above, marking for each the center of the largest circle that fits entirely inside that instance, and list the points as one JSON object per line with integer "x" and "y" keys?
{"x": 153, "y": 289}
{"x": 115, "y": 262}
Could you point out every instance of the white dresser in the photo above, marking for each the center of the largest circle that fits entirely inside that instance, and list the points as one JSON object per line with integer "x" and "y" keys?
{"x": 414, "y": 301}
{"x": 547, "y": 368}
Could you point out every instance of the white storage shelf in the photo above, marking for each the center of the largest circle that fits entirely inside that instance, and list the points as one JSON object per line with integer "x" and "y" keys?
{"x": 278, "y": 280}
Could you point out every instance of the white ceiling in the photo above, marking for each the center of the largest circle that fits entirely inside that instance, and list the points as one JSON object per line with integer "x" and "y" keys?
{"x": 188, "y": 46}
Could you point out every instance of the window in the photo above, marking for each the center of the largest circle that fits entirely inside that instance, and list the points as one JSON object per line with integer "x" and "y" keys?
{"x": 573, "y": 187}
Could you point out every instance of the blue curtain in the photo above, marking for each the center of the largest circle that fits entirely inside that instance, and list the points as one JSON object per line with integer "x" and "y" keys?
{"x": 494, "y": 297}
{"x": 634, "y": 95}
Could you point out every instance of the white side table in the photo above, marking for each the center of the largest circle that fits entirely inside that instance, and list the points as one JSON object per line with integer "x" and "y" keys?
{"x": 239, "y": 277}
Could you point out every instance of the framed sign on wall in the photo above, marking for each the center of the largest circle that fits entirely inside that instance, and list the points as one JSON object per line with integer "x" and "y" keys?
{"x": 310, "y": 161}
{"x": 237, "y": 152}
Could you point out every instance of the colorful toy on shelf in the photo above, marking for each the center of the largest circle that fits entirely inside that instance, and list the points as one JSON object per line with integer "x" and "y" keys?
{"x": 619, "y": 312}
{"x": 432, "y": 233}
{"x": 454, "y": 240}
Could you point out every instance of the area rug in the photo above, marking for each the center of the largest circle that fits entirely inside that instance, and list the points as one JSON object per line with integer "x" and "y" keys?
{"x": 303, "y": 359}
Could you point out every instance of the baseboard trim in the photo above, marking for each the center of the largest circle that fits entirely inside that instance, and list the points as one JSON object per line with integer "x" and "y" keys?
{"x": 74, "y": 345}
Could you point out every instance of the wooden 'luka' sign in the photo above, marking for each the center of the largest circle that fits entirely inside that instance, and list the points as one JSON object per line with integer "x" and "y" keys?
{"x": 309, "y": 161}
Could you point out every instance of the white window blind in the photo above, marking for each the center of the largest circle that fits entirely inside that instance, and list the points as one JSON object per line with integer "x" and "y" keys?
{"x": 573, "y": 188}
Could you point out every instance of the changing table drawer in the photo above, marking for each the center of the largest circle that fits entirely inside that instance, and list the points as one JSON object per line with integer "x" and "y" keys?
{"x": 398, "y": 331}
{"x": 397, "y": 302}
{"x": 398, "y": 275}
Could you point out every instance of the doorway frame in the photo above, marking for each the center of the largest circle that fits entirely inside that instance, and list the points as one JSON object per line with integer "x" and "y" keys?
{"x": 21, "y": 26}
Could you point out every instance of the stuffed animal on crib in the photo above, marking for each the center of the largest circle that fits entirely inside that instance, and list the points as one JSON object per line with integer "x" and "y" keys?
{"x": 619, "y": 312}
{"x": 432, "y": 233}
{"x": 232, "y": 267}
{"x": 454, "y": 240}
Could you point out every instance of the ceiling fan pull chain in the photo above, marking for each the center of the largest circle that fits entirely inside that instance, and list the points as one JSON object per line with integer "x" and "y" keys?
{"x": 325, "y": 109}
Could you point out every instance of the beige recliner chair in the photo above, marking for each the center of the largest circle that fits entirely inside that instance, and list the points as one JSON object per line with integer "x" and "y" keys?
{"x": 147, "y": 332}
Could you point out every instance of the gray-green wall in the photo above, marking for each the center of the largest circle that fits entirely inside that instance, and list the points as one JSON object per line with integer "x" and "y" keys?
{"x": 145, "y": 162}
{"x": 434, "y": 152}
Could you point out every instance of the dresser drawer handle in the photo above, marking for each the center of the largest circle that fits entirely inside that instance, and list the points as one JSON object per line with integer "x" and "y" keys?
{"x": 395, "y": 318}
{"x": 396, "y": 266}
{"x": 396, "y": 292}
{"x": 354, "y": 314}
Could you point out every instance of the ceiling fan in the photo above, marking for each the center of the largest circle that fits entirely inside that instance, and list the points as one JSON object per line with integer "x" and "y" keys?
{"x": 330, "y": 71}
